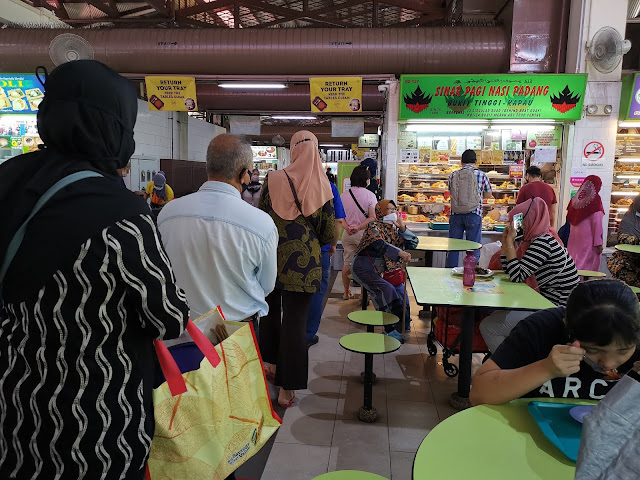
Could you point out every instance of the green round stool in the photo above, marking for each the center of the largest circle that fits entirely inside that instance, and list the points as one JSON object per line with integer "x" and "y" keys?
{"x": 636, "y": 290}
{"x": 369, "y": 344}
{"x": 372, "y": 318}
{"x": 591, "y": 274}
{"x": 349, "y": 475}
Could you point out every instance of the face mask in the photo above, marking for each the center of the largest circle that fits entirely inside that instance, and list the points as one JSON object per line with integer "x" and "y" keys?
{"x": 637, "y": 214}
{"x": 255, "y": 178}
{"x": 392, "y": 217}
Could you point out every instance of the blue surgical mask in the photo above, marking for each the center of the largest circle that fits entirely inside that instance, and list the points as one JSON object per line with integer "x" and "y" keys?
{"x": 392, "y": 217}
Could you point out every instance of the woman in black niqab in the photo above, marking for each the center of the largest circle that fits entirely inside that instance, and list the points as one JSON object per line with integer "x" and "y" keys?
{"x": 87, "y": 292}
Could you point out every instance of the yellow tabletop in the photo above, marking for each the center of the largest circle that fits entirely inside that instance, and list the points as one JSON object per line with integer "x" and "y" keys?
{"x": 444, "y": 244}
{"x": 437, "y": 286}
{"x": 496, "y": 442}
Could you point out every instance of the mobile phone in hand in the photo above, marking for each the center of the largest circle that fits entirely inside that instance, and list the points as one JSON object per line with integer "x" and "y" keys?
{"x": 518, "y": 224}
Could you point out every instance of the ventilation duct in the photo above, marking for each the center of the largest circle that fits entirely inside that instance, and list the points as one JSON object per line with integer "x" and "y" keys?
{"x": 304, "y": 51}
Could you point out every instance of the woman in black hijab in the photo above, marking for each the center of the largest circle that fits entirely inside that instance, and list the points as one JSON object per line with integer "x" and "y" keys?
{"x": 87, "y": 292}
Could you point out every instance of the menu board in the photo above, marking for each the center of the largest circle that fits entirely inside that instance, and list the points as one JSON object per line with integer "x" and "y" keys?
{"x": 264, "y": 153}
{"x": 20, "y": 93}
{"x": 628, "y": 146}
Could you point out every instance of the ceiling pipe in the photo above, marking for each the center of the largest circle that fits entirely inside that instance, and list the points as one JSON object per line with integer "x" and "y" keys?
{"x": 299, "y": 51}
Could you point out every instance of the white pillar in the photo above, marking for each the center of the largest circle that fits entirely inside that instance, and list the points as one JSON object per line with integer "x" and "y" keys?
{"x": 390, "y": 142}
{"x": 587, "y": 17}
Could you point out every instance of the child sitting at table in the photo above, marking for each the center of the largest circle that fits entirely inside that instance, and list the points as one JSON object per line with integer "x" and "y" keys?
{"x": 546, "y": 354}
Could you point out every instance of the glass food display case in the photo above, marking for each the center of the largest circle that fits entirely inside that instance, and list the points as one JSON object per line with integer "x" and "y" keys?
{"x": 429, "y": 154}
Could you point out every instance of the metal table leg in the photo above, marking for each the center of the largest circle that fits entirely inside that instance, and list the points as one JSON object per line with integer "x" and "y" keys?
{"x": 365, "y": 299}
{"x": 367, "y": 412}
{"x": 460, "y": 399}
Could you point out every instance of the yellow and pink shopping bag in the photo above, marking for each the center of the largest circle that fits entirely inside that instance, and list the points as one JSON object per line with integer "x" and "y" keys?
{"x": 211, "y": 420}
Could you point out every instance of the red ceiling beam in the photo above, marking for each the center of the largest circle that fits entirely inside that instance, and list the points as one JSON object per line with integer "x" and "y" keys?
{"x": 313, "y": 14}
{"x": 287, "y": 12}
{"x": 204, "y": 7}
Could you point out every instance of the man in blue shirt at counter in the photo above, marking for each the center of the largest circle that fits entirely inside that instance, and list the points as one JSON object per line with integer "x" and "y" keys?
{"x": 327, "y": 251}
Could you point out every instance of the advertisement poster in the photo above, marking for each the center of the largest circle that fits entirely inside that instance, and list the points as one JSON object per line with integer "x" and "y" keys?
{"x": 517, "y": 96}
{"x": 264, "y": 153}
{"x": 409, "y": 155}
{"x": 474, "y": 143}
{"x": 544, "y": 137}
{"x": 516, "y": 171}
{"x": 511, "y": 144}
{"x": 20, "y": 93}
{"x": 441, "y": 144}
{"x": 174, "y": 94}
{"x": 458, "y": 145}
{"x": 630, "y": 97}
{"x": 513, "y": 157}
{"x": 484, "y": 157}
{"x": 336, "y": 94}
{"x": 369, "y": 140}
{"x": 438, "y": 156}
{"x": 407, "y": 140}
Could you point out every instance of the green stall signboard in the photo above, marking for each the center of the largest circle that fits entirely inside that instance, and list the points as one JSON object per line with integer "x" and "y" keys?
{"x": 487, "y": 97}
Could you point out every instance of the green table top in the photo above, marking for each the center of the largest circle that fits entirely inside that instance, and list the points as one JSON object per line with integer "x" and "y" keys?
{"x": 636, "y": 290}
{"x": 628, "y": 248}
{"x": 375, "y": 343}
{"x": 372, "y": 317}
{"x": 443, "y": 244}
{"x": 500, "y": 442}
{"x": 591, "y": 273}
{"x": 349, "y": 475}
{"x": 437, "y": 286}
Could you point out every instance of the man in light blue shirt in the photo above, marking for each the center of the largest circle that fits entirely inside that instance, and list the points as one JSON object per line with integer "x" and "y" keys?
{"x": 223, "y": 250}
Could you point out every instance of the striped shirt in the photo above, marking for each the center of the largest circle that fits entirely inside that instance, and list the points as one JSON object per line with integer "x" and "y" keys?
{"x": 555, "y": 271}
{"x": 484, "y": 185}
{"x": 77, "y": 360}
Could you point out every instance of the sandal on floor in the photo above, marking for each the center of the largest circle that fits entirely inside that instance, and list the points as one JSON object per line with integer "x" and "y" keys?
{"x": 351, "y": 296}
{"x": 289, "y": 403}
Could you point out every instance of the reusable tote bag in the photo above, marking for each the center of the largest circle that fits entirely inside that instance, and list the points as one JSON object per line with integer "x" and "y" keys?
{"x": 211, "y": 420}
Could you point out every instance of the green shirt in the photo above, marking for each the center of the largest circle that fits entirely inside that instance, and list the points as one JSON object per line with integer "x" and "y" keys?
{"x": 299, "y": 264}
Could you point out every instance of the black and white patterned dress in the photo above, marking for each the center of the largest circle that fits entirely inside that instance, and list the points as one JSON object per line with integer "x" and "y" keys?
{"x": 76, "y": 359}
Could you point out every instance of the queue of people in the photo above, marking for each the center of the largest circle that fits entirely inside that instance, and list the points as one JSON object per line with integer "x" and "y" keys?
{"x": 79, "y": 314}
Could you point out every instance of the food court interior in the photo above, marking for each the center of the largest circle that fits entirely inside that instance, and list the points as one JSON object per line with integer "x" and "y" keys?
{"x": 522, "y": 83}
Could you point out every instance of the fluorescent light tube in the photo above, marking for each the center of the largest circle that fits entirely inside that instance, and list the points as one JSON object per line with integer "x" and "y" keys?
{"x": 252, "y": 85}
{"x": 293, "y": 117}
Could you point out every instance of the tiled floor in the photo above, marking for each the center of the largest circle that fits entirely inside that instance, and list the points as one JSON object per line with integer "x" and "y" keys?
{"x": 321, "y": 433}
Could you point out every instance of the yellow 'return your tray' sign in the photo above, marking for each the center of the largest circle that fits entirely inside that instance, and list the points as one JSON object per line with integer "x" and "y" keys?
{"x": 175, "y": 94}
{"x": 336, "y": 94}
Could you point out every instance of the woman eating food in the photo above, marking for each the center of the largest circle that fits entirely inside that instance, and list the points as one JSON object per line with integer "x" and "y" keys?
{"x": 573, "y": 352}
{"x": 539, "y": 260}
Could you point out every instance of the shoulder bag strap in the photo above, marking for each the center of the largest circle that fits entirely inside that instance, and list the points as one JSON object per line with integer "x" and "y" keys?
{"x": 15, "y": 242}
{"x": 366, "y": 215}
{"x": 295, "y": 198}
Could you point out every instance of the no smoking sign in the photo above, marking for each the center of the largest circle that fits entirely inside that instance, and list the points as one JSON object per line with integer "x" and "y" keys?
{"x": 593, "y": 154}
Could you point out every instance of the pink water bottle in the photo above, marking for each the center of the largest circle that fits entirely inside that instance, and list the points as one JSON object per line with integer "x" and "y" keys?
{"x": 469, "y": 274}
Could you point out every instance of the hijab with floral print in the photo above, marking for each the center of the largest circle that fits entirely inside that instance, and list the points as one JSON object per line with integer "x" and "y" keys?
{"x": 378, "y": 230}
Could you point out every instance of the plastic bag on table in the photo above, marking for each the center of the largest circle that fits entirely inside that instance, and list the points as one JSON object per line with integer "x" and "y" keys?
{"x": 487, "y": 252}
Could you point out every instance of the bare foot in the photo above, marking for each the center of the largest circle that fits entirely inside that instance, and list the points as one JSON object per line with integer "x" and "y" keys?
{"x": 285, "y": 397}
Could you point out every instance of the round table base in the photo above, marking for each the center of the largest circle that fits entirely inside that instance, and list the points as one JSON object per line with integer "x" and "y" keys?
{"x": 458, "y": 402}
{"x": 373, "y": 377}
{"x": 367, "y": 415}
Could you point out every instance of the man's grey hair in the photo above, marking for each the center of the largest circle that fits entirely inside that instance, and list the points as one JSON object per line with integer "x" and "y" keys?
{"x": 227, "y": 155}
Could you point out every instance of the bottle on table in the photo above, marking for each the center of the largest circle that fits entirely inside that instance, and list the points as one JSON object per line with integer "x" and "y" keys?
{"x": 469, "y": 274}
